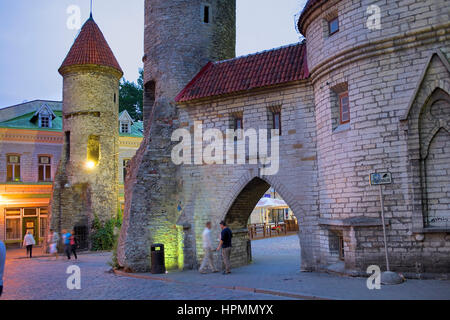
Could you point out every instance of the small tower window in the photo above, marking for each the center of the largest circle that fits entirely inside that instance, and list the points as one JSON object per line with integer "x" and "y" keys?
{"x": 206, "y": 13}
{"x": 333, "y": 26}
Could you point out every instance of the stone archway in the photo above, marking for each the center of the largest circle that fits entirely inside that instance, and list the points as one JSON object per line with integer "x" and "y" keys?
{"x": 237, "y": 213}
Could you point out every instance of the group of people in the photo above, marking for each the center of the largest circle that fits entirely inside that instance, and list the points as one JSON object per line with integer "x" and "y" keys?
{"x": 69, "y": 239}
{"x": 224, "y": 244}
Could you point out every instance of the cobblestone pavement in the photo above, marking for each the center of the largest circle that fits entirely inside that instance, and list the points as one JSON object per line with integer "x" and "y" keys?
{"x": 275, "y": 267}
{"x": 45, "y": 278}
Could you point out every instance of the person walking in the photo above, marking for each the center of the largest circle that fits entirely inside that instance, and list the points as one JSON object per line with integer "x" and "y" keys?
{"x": 66, "y": 239}
{"x": 73, "y": 244}
{"x": 28, "y": 242}
{"x": 2, "y": 264}
{"x": 208, "y": 250}
{"x": 53, "y": 243}
{"x": 225, "y": 245}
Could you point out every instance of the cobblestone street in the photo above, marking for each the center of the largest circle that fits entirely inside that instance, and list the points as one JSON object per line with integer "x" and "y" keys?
{"x": 44, "y": 278}
{"x": 275, "y": 269}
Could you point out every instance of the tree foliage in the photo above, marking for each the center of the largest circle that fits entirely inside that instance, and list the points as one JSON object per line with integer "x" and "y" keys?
{"x": 131, "y": 96}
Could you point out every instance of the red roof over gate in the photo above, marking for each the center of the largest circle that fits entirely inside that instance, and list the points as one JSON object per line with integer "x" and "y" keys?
{"x": 268, "y": 68}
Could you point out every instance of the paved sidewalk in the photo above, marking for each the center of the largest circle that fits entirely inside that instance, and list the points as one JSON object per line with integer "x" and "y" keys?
{"x": 275, "y": 268}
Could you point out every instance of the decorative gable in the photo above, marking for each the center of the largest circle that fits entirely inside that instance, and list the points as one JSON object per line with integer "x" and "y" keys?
{"x": 125, "y": 122}
{"x": 44, "y": 117}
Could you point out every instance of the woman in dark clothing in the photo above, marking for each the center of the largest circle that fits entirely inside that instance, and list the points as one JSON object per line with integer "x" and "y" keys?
{"x": 73, "y": 244}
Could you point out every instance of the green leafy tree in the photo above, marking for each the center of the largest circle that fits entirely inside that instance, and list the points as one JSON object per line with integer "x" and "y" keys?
{"x": 131, "y": 96}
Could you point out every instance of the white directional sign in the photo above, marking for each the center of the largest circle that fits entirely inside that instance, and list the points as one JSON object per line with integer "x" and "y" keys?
{"x": 380, "y": 178}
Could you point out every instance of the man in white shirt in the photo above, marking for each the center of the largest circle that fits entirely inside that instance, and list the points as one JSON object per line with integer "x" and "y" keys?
{"x": 208, "y": 250}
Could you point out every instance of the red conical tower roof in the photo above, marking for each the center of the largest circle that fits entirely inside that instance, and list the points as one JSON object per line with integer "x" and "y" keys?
{"x": 90, "y": 47}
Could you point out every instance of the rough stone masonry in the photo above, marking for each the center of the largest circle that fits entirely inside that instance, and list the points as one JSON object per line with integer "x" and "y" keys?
{"x": 91, "y": 136}
{"x": 397, "y": 78}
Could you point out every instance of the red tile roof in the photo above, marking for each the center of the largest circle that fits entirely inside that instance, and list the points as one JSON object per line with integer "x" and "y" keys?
{"x": 306, "y": 10}
{"x": 258, "y": 70}
{"x": 90, "y": 47}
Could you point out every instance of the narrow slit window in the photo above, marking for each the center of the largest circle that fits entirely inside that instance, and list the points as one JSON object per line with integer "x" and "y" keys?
{"x": 67, "y": 145}
{"x": 344, "y": 108}
{"x": 238, "y": 123}
{"x": 277, "y": 121}
{"x": 238, "y": 126}
{"x": 206, "y": 14}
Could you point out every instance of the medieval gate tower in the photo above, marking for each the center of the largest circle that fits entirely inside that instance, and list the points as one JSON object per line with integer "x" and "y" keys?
{"x": 180, "y": 38}
{"x": 86, "y": 184}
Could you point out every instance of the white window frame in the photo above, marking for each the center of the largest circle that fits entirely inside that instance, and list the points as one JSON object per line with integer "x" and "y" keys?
{"x": 123, "y": 123}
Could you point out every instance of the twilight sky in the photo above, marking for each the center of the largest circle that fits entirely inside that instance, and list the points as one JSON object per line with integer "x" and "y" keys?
{"x": 34, "y": 38}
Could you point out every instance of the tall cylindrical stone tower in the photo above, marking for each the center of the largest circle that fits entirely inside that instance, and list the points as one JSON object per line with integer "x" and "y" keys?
{"x": 86, "y": 184}
{"x": 181, "y": 36}
{"x": 369, "y": 63}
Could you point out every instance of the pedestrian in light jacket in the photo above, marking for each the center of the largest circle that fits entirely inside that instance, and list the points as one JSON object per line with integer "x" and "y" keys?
{"x": 29, "y": 242}
{"x": 208, "y": 261}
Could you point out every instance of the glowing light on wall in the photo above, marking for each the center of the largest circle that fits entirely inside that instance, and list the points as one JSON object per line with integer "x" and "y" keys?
{"x": 90, "y": 164}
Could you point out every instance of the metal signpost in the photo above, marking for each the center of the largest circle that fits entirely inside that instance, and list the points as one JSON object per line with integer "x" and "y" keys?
{"x": 379, "y": 179}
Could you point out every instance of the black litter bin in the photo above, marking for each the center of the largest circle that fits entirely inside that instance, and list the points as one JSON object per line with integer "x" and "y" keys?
{"x": 158, "y": 264}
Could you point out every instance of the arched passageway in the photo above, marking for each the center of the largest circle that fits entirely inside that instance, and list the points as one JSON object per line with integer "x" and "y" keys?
{"x": 237, "y": 218}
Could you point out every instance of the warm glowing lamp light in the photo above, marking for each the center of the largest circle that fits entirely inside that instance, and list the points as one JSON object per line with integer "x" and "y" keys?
{"x": 90, "y": 164}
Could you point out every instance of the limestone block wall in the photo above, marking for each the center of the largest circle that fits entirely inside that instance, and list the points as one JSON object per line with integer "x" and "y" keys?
{"x": 230, "y": 192}
{"x": 381, "y": 70}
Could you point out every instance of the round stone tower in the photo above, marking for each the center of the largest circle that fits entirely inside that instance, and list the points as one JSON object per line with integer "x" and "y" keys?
{"x": 86, "y": 184}
{"x": 175, "y": 50}
{"x": 377, "y": 69}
